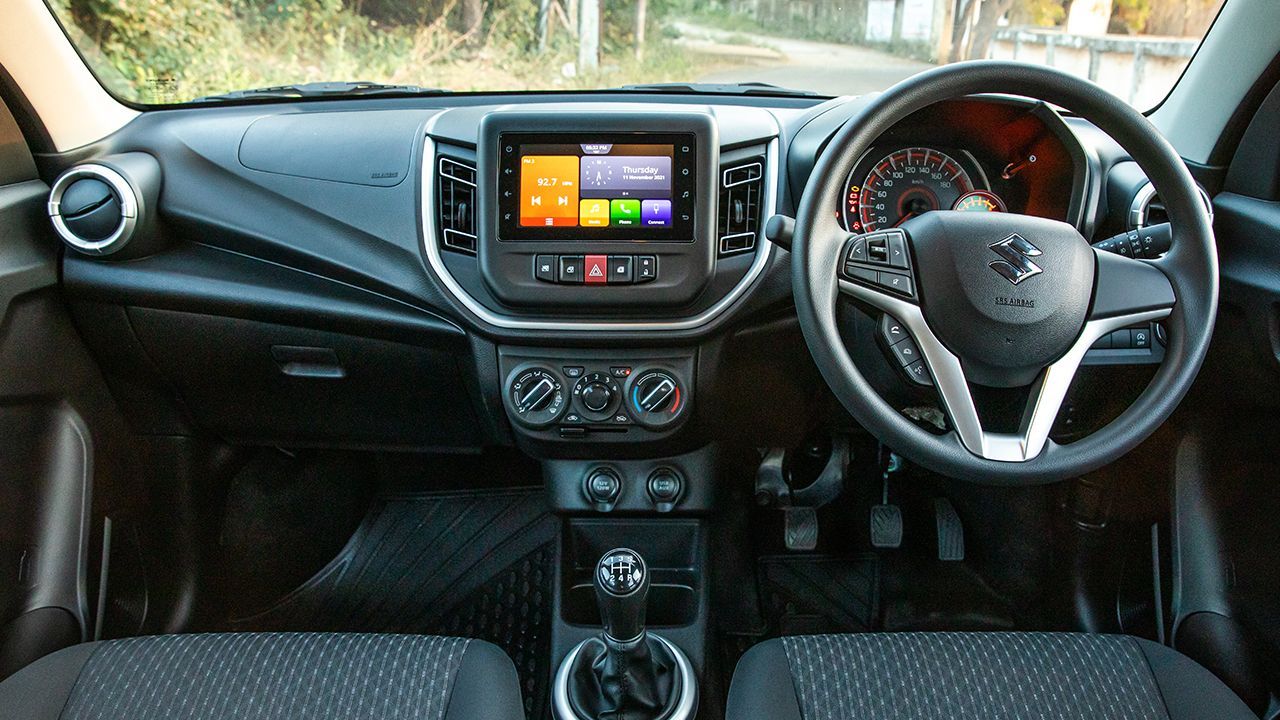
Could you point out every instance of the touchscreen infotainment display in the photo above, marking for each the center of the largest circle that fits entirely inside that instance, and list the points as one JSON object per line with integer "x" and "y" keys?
{"x": 603, "y": 187}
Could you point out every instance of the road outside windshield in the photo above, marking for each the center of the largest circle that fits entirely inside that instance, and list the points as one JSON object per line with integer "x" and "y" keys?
{"x": 173, "y": 51}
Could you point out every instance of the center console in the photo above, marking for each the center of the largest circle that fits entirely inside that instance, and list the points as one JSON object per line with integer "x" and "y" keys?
{"x": 606, "y": 212}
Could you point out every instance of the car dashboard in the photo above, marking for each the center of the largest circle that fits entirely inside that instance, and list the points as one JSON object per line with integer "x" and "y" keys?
{"x": 577, "y": 274}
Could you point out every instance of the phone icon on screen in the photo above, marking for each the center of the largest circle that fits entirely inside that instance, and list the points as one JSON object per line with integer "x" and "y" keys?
{"x": 624, "y": 211}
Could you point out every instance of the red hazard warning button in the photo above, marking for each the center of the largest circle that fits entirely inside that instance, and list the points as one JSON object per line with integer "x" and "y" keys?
{"x": 596, "y": 270}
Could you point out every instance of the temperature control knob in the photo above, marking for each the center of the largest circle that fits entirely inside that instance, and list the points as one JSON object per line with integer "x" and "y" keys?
{"x": 537, "y": 397}
{"x": 656, "y": 398}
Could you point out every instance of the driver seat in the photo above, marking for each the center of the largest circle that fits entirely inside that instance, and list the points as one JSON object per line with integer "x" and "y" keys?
{"x": 977, "y": 675}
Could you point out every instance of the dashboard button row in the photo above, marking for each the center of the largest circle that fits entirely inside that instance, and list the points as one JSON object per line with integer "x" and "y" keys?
{"x": 595, "y": 269}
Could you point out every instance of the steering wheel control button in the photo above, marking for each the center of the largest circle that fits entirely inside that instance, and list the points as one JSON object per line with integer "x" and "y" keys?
{"x": 906, "y": 352}
{"x": 864, "y": 274}
{"x": 571, "y": 269}
{"x": 897, "y": 282}
{"x": 665, "y": 488}
{"x": 602, "y": 486}
{"x": 857, "y": 250}
{"x": 918, "y": 373}
{"x": 891, "y": 330}
{"x": 898, "y": 250}
{"x": 537, "y": 397}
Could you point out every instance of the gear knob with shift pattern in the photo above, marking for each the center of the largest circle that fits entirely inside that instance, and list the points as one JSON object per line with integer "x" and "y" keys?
{"x": 622, "y": 591}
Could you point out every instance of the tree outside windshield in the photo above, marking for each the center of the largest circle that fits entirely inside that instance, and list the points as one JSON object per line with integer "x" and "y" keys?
{"x": 173, "y": 51}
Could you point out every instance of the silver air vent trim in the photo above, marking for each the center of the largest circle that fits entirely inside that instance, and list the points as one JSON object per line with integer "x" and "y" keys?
{"x": 1142, "y": 201}
{"x": 128, "y": 208}
{"x": 434, "y": 257}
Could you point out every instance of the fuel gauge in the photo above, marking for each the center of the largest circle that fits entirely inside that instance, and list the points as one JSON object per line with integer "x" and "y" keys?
{"x": 979, "y": 201}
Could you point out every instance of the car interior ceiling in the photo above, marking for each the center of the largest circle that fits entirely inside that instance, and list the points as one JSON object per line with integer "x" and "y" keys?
{"x": 266, "y": 368}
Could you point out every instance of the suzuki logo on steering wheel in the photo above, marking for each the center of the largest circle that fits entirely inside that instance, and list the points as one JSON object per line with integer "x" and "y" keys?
{"x": 1016, "y": 264}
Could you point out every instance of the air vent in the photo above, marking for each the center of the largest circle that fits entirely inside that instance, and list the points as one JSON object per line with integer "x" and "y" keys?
{"x": 738, "y": 223}
{"x": 457, "y": 193}
{"x": 1147, "y": 209}
{"x": 94, "y": 209}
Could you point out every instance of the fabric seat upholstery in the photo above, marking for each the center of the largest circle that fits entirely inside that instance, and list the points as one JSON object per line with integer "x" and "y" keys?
{"x": 983, "y": 676}
{"x": 268, "y": 676}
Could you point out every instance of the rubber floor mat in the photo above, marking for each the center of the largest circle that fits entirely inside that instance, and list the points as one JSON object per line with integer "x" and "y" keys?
{"x": 474, "y": 565}
{"x": 807, "y": 594}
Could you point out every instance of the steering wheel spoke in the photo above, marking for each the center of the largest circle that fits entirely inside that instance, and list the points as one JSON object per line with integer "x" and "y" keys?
{"x": 1125, "y": 286}
{"x": 1045, "y": 395}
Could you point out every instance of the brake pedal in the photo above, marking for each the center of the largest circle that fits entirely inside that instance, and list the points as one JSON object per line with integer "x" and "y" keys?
{"x": 886, "y": 518}
{"x": 802, "y": 528}
{"x": 886, "y": 527}
{"x": 950, "y": 531}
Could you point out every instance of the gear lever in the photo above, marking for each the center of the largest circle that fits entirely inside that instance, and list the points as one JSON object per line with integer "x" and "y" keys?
{"x": 622, "y": 590}
{"x": 625, "y": 673}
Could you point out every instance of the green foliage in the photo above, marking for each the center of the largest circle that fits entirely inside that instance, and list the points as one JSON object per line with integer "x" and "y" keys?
{"x": 1042, "y": 13}
{"x": 1132, "y": 14}
{"x": 163, "y": 51}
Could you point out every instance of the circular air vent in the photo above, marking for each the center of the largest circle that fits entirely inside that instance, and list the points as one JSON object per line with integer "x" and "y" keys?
{"x": 94, "y": 209}
{"x": 1147, "y": 209}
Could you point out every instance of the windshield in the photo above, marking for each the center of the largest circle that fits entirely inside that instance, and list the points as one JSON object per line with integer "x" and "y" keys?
{"x": 175, "y": 51}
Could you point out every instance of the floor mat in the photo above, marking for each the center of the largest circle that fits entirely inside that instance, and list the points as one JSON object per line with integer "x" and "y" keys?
{"x": 469, "y": 564}
{"x": 806, "y": 595}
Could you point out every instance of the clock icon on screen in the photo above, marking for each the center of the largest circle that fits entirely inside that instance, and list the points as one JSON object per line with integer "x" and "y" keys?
{"x": 597, "y": 172}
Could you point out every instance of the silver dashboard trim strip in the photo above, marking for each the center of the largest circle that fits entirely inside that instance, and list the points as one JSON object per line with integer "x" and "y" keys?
{"x": 764, "y": 253}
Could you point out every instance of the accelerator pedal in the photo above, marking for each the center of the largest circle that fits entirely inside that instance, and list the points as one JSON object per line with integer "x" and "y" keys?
{"x": 950, "y": 531}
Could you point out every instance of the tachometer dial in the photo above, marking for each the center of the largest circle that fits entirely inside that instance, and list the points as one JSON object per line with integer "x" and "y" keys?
{"x": 904, "y": 184}
{"x": 979, "y": 201}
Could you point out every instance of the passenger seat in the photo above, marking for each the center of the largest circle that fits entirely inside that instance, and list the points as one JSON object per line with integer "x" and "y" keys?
{"x": 268, "y": 676}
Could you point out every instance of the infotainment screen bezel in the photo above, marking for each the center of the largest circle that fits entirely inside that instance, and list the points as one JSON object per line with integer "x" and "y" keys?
{"x": 684, "y": 188}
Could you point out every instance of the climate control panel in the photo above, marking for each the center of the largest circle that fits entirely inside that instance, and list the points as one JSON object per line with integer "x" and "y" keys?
{"x": 575, "y": 395}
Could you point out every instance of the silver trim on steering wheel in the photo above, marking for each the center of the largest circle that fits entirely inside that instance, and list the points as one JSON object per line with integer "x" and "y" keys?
{"x": 1047, "y": 394}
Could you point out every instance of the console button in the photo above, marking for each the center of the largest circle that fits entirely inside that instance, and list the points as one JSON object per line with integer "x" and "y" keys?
{"x": 1120, "y": 339}
{"x": 665, "y": 488}
{"x": 891, "y": 330}
{"x": 596, "y": 270}
{"x": 602, "y": 487}
{"x": 572, "y": 371}
{"x": 620, "y": 371}
{"x": 1140, "y": 337}
{"x": 544, "y": 268}
{"x": 571, "y": 269}
{"x": 646, "y": 268}
{"x": 620, "y": 269}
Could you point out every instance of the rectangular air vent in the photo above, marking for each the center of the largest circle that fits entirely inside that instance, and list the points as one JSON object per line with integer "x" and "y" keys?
{"x": 456, "y": 182}
{"x": 741, "y": 190}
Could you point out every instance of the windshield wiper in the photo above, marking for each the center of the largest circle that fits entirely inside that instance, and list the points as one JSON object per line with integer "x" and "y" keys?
{"x": 323, "y": 89}
{"x": 743, "y": 88}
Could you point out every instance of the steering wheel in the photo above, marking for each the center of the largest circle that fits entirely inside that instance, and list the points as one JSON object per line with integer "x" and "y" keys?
{"x": 1003, "y": 300}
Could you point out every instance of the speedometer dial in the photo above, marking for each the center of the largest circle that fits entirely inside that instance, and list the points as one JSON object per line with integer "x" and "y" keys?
{"x": 903, "y": 184}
